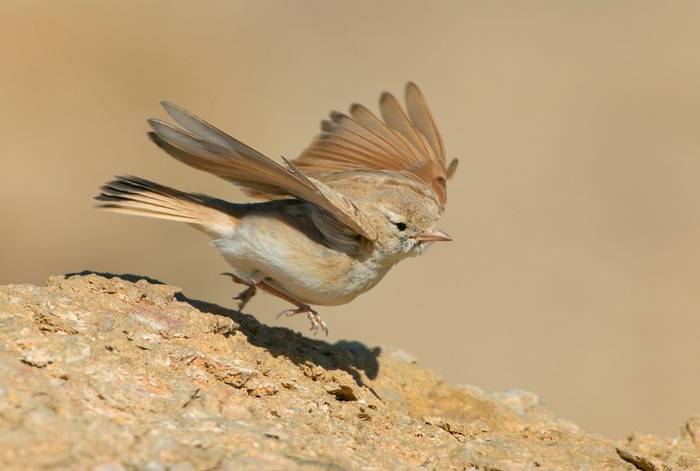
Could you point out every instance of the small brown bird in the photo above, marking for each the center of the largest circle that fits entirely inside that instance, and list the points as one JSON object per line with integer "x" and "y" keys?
{"x": 364, "y": 195}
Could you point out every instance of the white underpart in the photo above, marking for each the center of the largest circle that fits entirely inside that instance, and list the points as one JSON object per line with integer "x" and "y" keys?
{"x": 294, "y": 264}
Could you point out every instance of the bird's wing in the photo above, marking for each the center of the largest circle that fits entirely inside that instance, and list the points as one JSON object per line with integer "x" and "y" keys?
{"x": 399, "y": 141}
{"x": 205, "y": 147}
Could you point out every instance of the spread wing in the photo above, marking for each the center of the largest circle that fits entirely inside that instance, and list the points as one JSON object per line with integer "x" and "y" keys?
{"x": 402, "y": 142}
{"x": 205, "y": 147}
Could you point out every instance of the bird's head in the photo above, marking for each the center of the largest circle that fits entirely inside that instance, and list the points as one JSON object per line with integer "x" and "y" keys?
{"x": 405, "y": 222}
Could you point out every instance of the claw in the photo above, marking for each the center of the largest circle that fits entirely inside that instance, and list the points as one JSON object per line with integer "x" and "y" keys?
{"x": 316, "y": 322}
{"x": 245, "y": 296}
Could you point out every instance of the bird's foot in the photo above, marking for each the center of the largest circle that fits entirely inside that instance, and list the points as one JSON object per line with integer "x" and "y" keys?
{"x": 316, "y": 322}
{"x": 245, "y": 296}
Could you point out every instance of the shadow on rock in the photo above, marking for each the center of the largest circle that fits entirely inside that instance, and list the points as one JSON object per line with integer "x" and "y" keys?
{"x": 353, "y": 357}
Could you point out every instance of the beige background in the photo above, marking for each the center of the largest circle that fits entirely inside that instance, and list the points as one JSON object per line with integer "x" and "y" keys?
{"x": 574, "y": 271}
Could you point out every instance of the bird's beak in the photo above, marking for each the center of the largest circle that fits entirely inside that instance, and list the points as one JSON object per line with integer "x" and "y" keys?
{"x": 433, "y": 235}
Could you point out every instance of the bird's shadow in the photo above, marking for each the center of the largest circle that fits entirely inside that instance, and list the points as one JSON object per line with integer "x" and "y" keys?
{"x": 355, "y": 358}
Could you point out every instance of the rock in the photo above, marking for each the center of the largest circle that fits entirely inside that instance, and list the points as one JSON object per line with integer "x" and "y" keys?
{"x": 650, "y": 453}
{"x": 119, "y": 373}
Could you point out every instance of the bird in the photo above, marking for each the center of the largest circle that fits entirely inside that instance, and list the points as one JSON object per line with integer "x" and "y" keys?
{"x": 365, "y": 194}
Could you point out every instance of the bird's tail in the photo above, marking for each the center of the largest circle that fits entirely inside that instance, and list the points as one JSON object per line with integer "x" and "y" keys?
{"x": 137, "y": 196}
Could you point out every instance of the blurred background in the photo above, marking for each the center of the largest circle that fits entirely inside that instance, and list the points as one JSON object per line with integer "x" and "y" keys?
{"x": 575, "y": 211}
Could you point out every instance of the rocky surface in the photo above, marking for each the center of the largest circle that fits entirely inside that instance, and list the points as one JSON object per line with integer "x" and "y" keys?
{"x": 109, "y": 374}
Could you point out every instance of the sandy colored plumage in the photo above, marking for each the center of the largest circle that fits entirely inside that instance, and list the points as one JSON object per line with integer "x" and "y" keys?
{"x": 366, "y": 193}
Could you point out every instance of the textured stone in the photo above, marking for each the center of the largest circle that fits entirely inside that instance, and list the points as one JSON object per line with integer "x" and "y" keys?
{"x": 105, "y": 373}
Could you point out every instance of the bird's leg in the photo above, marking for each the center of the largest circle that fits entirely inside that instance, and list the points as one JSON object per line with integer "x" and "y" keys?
{"x": 316, "y": 322}
{"x": 245, "y": 295}
{"x": 301, "y": 308}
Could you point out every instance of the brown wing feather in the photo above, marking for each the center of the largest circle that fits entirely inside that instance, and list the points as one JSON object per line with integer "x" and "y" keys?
{"x": 367, "y": 119}
{"x": 399, "y": 141}
{"x": 423, "y": 120}
{"x": 204, "y": 147}
{"x": 395, "y": 118}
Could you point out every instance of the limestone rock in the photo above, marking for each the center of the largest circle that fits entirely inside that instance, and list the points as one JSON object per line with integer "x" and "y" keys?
{"x": 103, "y": 373}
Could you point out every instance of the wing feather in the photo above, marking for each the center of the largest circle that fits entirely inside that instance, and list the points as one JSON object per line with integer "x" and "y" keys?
{"x": 423, "y": 120}
{"x": 204, "y": 147}
{"x": 367, "y": 119}
{"x": 398, "y": 141}
{"x": 396, "y": 119}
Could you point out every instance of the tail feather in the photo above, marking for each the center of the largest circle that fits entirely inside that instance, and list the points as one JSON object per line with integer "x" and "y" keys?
{"x": 140, "y": 197}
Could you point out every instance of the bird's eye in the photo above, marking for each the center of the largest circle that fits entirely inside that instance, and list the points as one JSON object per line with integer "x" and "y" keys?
{"x": 400, "y": 226}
